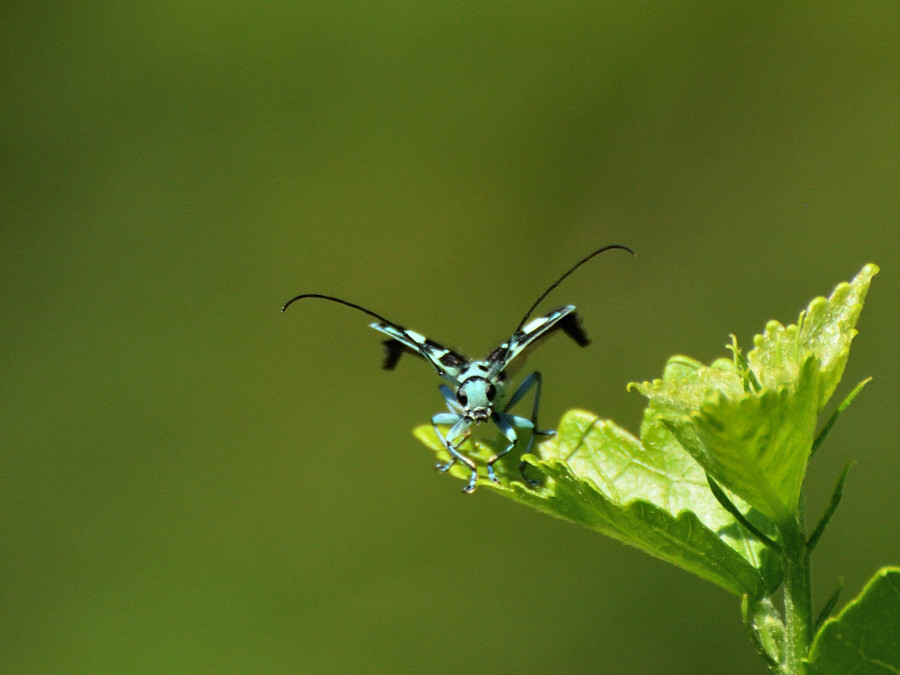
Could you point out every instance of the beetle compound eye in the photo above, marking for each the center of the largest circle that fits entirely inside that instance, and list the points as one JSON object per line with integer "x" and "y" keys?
{"x": 491, "y": 392}
{"x": 461, "y": 397}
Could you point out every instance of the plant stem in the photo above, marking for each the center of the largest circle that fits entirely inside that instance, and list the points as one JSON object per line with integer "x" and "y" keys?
{"x": 797, "y": 595}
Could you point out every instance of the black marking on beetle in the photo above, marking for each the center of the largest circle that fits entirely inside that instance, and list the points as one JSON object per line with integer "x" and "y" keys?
{"x": 572, "y": 327}
{"x": 452, "y": 359}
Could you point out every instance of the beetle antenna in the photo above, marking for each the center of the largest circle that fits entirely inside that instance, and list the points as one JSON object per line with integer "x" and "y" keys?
{"x": 390, "y": 345}
{"x": 560, "y": 280}
{"x": 330, "y": 298}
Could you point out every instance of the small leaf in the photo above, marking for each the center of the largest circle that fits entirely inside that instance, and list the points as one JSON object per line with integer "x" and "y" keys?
{"x": 686, "y": 384}
{"x": 742, "y": 366}
{"x": 865, "y": 636}
{"x": 736, "y": 513}
{"x": 823, "y": 434}
{"x": 833, "y": 503}
{"x": 829, "y": 606}
{"x": 825, "y": 330}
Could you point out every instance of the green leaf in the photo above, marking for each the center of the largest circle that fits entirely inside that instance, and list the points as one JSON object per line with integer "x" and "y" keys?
{"x": 824, "y": 330}
{"x": 738, "y": 515}
{"x": 829, "y": 605}
{"x": 754, "y": 443}
{"x": 652, "y": 496}
{"x": 750, "y": 421}
{"x": 823, "y": 434}
{"x": 865, "y": 636}
{"x": 686, "y": 384}
{"x": 833, "y": 503}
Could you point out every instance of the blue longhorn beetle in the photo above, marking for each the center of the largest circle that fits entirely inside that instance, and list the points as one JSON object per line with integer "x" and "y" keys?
{"x": 478, "y": 391}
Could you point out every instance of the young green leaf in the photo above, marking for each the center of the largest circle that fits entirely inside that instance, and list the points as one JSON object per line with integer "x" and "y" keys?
{"x": 829, "y": 605}
{"x": 864, "y": 637}
{"x": 824, "y": 330}
{"x": 823, "y": 434}
{"x": 833, "y": 503}
{"x": 754, "y": 443}
{"x": 750, "y": 422}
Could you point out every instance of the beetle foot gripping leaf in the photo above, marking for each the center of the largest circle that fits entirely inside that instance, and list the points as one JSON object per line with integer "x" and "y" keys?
{"x": 651, "y": 495}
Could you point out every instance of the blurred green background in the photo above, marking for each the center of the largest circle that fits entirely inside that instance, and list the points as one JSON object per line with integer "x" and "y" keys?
{"x": 194, "y": 482}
